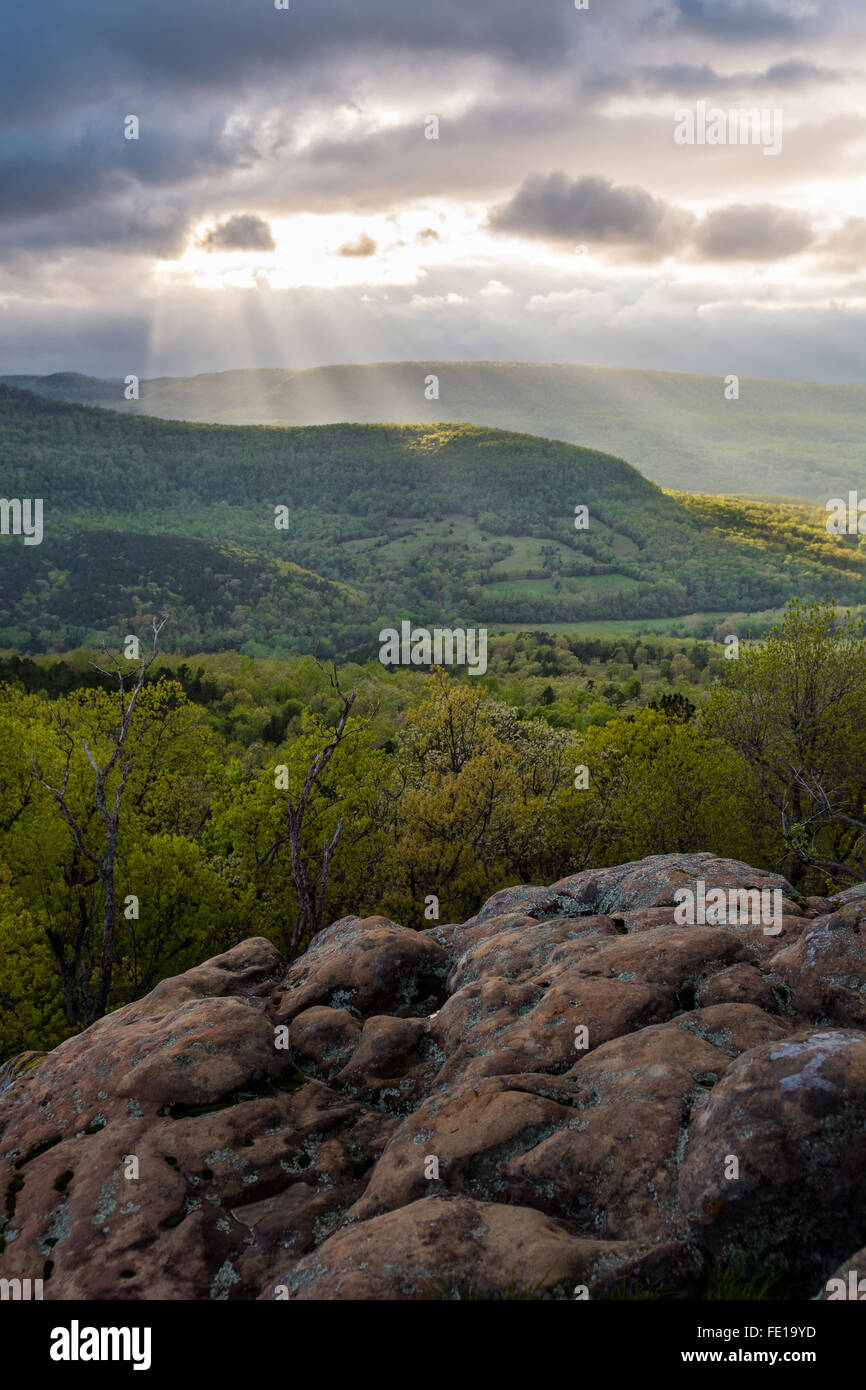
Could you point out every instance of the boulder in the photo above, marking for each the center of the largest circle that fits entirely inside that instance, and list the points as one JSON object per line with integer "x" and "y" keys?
{"x": 367, "y": 966}
{"x": 570, "y": 1090}
{"x": 825, "y": 967}
{"x": 456, "y": 1248}
{"x": 775, "y": 1154}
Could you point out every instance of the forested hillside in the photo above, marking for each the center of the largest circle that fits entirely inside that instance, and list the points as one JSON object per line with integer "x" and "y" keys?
{"x": 786, "y": 438}
{"x": 452, "y": 524}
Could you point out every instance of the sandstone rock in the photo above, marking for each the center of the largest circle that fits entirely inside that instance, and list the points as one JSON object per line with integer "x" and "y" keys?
{"x": 738, "y": 984}
{"x": 847, "y": 1283}
{"x": 471, "y": 1130}
{"x": 514, "y": 947}
{"x": 323, "y": 1040}
{"x": 367, "y": 966}
{"x": 393, "y": 1064}
{"x": 816, "y": 907}
{"x": 612, "y": 1168}
{"x": 651, "y": 882}
{"x": 187, "y": 1084}
{"x": 577, "y": 1064}
{"x": 855, "y": 894}
{"x": 456, "y": 1247}
{"x": 793, "y": 1114}
{"x": 825, "y": 968}
{"x": 498, "y": 1027}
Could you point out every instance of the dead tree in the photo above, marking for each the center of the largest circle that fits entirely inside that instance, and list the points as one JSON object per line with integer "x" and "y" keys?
{"x": 824, "y": 812}
{"x": 108, "y": 807}
{"x": 311, "y": 888}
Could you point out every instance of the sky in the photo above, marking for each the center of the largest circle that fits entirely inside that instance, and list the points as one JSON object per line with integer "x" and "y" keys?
{"x": 284, "y": 204}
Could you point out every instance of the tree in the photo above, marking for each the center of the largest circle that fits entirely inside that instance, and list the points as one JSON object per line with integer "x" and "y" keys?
{"x": 108, "y": 800}
{"x": 302, "y": 835}
{"x": 656, "y": 785}
{"x": 31, "y": 1012}
{"x": 794, "y": 705}
{"x": 311, "y": 882}
{"x": 675, "y": 705}
{"x": 477, "y": 787}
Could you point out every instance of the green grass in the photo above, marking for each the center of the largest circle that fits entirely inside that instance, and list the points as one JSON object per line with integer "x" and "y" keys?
{"x": 600, "y": 627}
{"x": 747, "y": 1277}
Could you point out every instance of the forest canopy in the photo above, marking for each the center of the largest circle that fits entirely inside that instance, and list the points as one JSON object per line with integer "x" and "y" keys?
{"x": 436, "y": 793}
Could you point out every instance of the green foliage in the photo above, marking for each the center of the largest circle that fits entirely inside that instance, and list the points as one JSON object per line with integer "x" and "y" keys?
{"x": 446, "y": 787}
{"x": 657, "y": 785}
{"x": 477, "y": 787}
{"x": 247, "y": 834}
{"x": 185, "y": 913}
{"x": 31, "y": 1011}
{"x": 781, "y": 437}
{"x": 386, "y": 522}
{"x": 794, "y": 705}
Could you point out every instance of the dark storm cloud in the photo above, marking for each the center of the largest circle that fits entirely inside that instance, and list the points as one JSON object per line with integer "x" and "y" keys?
{"x": 320, "y": 109}
{"x": 243, "y": 232}
{"x": 50, "y": 171}
{"x": 680, "y": 77}
{"x": 797, "y": 73}
{"x": 54, "y": 57}
{"x": 135, "y": 225}
{"x": 70, "y": 74}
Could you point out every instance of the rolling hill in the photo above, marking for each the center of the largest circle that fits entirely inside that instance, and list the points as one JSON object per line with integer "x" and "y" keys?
{"x": 780, "y": 438}
{"x": 443, "y": 525}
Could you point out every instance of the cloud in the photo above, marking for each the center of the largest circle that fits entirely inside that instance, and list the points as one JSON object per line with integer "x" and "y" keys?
{"x": 559, "y": 209}
{"x": 844, "y": 250}
{"x": 210, "y": 46}
{"x": 796, "y": 73}
{"x": 191, "y": 333}
{"x": 87, "y": 219}
{"x": 245, "y": 231}
{"x": 743, "y": 19}
{"x": 761, "y": 233}
{"x": 363, "y": 246}
{"x": 704, "y": 79}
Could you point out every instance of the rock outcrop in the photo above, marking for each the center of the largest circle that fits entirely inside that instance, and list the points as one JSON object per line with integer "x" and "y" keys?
{"x": 570, "y": 1091}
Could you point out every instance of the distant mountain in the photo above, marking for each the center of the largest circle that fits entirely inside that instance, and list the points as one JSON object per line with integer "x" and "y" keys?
{"x": 780, "y": 438}
{"x": 443, "y": 525}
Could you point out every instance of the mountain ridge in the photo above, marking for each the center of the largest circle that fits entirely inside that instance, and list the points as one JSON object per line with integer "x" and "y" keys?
{"x": 447, "y": 523}
{"x": 779, "y": 438}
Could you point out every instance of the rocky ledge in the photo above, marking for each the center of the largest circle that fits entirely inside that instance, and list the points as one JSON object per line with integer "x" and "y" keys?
{"x": 568, "y": 1091}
